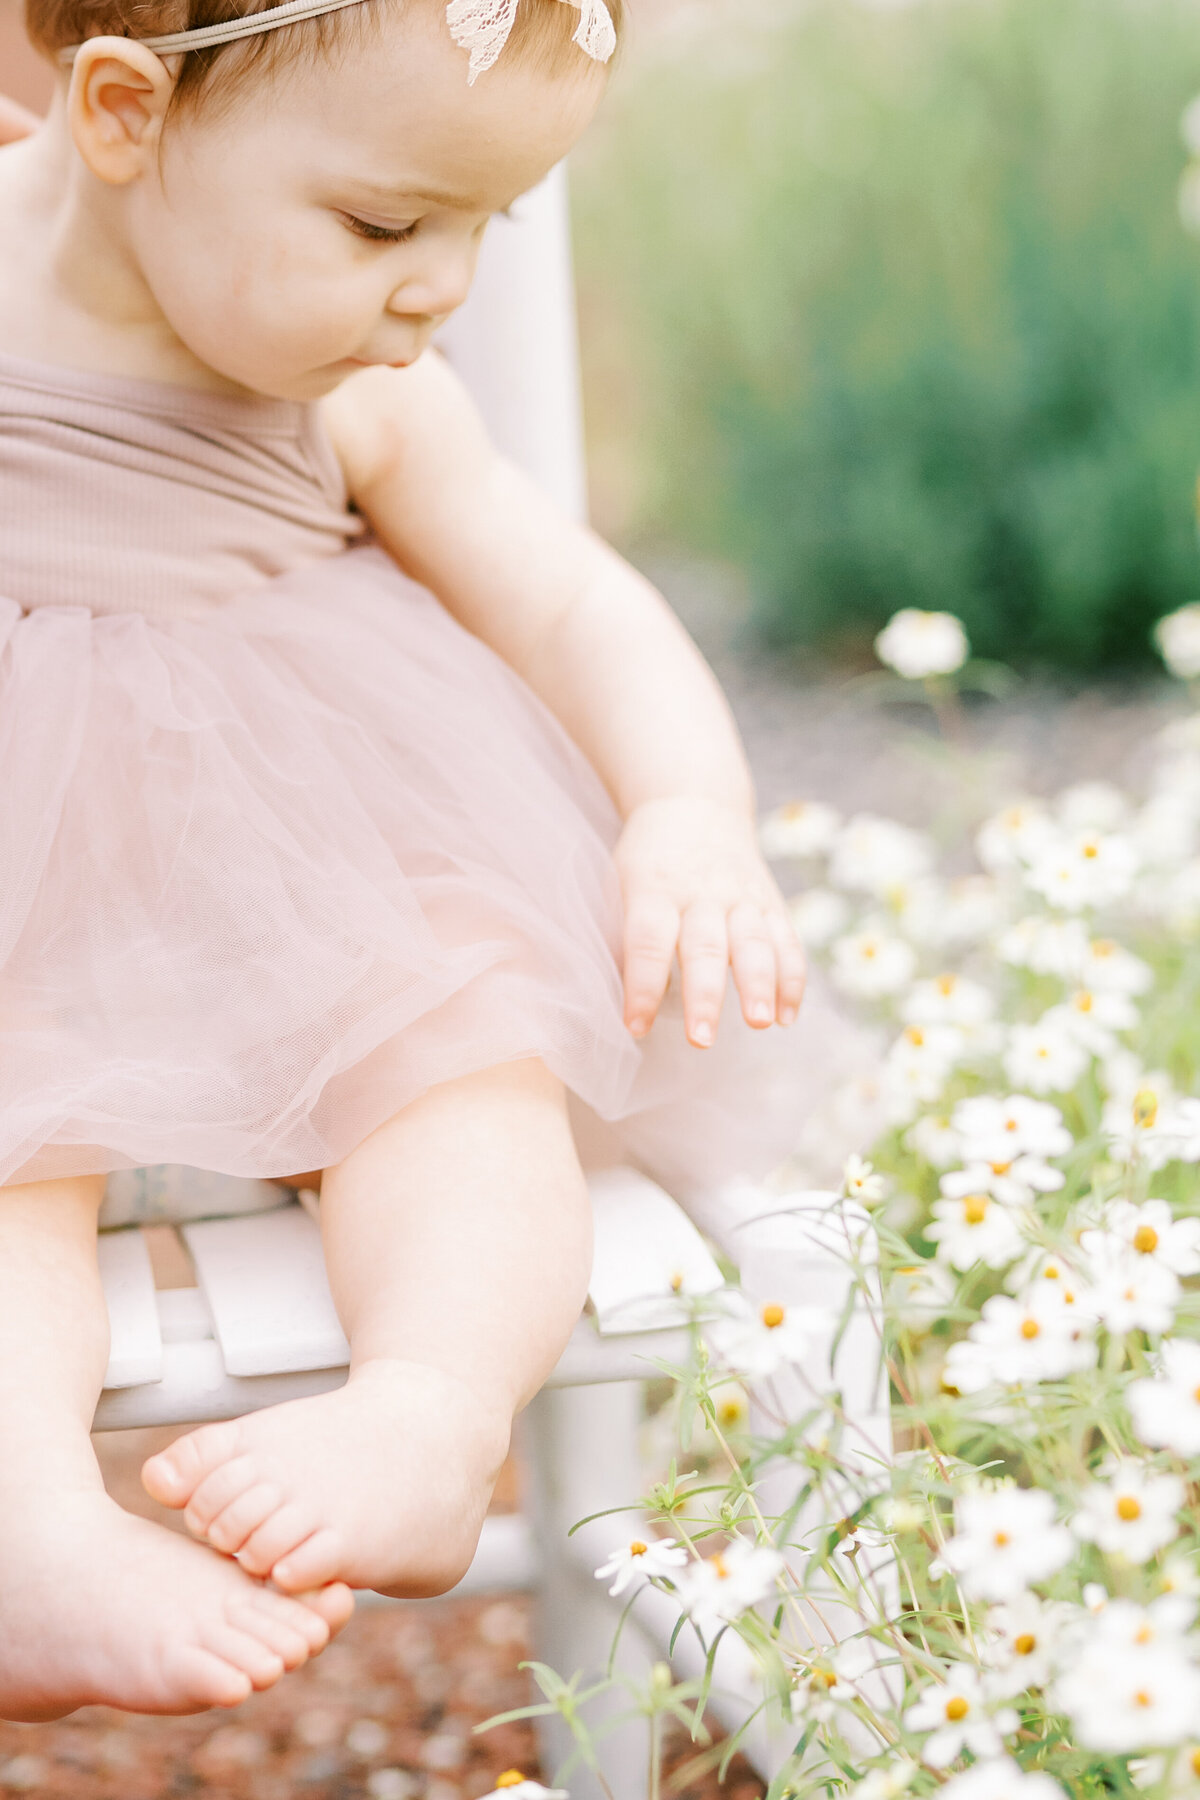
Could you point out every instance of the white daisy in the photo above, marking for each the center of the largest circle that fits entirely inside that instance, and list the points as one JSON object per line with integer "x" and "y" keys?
{"x": 1131, "y": 1513}
{"x": 1088, "y": 869}
{"x": 994, "y": 1130}
{"x": 1015, "y": 836}
{"x": 1166, "y": 1408}
{"x": 720, "y": 1589}
{"x": 1126, "y": 1292}
{"x": 873, "y": 855}
{"x": 1122, "y": 1701}
{"x": 802, "y": 828}
{"x": 818, "y": 915}
{"x": 1014, "y": 1342}
{"x": 934, "y": 1138}
{"x": 919, "y": 644}
{"x": 1047, "y": 946}
{"x": 1018, "y": 1645}
{"x": 948, "y": 1000}
{"x": 974, "y": 1229}
{"x": 1108, "y": 968}
{"x": 1001, "y": 1779}
{"x": 641, "y": 1559}
{"x": 1045, "y": 1057}
{"x": 512, "y": 1785}
{"x": 872, "y": 963}
{"x": 955, "y": 1712}
{"x": 1006, "y": 1539}
{"x": 1093, "y": 1019}
{"x": 759, "y": 1339}
{"x": 1015, "y": 1183}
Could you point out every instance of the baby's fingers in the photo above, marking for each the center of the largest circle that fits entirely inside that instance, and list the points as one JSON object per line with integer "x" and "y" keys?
{"x": 791, "y": 964}
{"x": 752, "y": 954}
{"x": 651, "y": 934}
{"x": 704, "y": 966}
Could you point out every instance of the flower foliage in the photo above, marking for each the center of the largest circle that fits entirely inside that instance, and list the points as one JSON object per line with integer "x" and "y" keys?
{"x": 1016, "y": 1597}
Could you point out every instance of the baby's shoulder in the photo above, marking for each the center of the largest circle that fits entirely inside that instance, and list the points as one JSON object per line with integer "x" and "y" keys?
{"x": 412, "y": 422}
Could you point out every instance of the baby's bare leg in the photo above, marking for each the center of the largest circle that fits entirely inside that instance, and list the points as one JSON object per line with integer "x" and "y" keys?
{"x": 97, "y": 1606}
{"x": 458, "y": 1242}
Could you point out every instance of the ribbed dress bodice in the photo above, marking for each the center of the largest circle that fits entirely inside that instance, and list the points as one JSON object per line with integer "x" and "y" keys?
{"x": 135, "y": 496}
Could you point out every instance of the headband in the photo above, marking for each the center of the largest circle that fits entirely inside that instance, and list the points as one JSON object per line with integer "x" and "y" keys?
{"x": 480, "y": 26}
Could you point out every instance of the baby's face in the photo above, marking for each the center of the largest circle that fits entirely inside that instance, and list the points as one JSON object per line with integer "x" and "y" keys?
{"x": 332, "y": 214}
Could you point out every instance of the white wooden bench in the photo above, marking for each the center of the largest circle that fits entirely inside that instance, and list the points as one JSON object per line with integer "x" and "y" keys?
{"x": 258, "y": 1324}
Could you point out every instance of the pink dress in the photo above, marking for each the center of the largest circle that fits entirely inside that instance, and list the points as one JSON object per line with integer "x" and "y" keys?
{"x": 281, "y": 844}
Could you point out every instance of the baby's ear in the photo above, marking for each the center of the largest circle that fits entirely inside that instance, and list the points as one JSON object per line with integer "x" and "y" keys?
{"x": 118, "y": 99}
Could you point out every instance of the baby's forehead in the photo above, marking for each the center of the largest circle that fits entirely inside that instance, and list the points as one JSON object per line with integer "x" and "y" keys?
{"x": 390, "y": 112}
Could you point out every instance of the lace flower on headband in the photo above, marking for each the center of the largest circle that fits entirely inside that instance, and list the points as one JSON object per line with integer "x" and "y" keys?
{"x": 480, "y": 26}
{"x": 483, "y": 28}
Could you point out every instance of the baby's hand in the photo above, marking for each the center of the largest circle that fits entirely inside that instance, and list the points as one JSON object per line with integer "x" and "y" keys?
{"x": 694, "y": 881}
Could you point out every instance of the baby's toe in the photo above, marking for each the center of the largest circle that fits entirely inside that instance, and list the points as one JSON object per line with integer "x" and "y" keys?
{"x": 245, "y": 1651}
{"x": 206, "y": 1678}
{"x": 302, "y": 1615}
{"x": 232, "y": 1528}
{"x": 288, "y": 1526}
{"x": 317, "y": 1560}
{"x": 290, "y": 1645}
{"x": 333, "y": 1604}
{"x": 229, "y": 1482}
{"x": 173, "y": 1476}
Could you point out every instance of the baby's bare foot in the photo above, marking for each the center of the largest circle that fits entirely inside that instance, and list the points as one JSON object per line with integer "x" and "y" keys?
{"x": 382, "y": 1484}
{"x": 100, "y": 1608}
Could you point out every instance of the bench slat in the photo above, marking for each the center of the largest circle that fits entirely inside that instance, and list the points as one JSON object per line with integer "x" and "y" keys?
{"x": 136, "y": 1347}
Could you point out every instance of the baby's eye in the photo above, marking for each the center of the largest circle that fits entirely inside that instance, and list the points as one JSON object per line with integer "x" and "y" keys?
{"x": 378, "y": 234}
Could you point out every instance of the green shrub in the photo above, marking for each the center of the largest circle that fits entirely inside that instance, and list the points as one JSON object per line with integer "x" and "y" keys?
{"x": 893, "y": 307}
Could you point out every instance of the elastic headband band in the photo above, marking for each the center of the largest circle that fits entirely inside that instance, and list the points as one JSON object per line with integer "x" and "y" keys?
{"x": 480, "y": 26}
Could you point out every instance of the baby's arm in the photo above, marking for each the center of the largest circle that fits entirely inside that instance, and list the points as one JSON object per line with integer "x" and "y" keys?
{"x": 602, "y": 648}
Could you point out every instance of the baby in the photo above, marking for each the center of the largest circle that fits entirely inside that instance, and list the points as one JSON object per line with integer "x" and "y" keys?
{"x": 356, "y": 804}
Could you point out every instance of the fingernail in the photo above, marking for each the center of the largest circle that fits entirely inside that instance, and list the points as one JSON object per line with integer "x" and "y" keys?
{"x": 788, "y": 1015}
{"x": 638, "y": 1027}
{"x": 761, "y": 1013}
{"x": 702, "y": 1034}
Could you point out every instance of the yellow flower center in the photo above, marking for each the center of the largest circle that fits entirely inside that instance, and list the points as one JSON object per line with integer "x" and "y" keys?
{"x": 773, "y": 1317}
{"x": 1001, "y": 1168}
{"x": 1194, "y": 1760}
{"x": 975, "y": 1209}
{"x": 956, "y": 1709}
{"x": 824, "y": 1678}
{"x": 1084, "y": 1002}
{"x": 731, "y": 1411}
{"x": 510, "y": 1778}
{"x": 1030, "y": 1328}
{"x": 677, "y": 1282}
{"x": 1103, "y": 947}
{"x": 1051, "y": 1272}
{"x": 1142, "y": 1698}
{"x": 1145, "y": 1239}
{"x": 1143, "y": 1635}
{"x": 1128, "y": 1508}
{"x": 1145, "y": 1109}
{"x": 1091, "y": 850}
{"x": 721, "y": 1568}
{"x": 870, "y": 950}
{"x": 1001, "y": 1539}
{"x": 1026, "y": 1644}
{"x": 637, "y": 1548}
{"x": 915, "y": 1036}
{"x": 946, "y": 985}
{"x": 1011, "y": 1125}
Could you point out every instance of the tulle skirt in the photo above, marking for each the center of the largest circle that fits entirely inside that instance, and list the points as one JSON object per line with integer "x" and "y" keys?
{"x": 268, "y": 874}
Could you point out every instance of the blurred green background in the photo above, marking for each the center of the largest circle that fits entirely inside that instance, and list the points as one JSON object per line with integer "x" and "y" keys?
{"x": 892, "y": 306}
